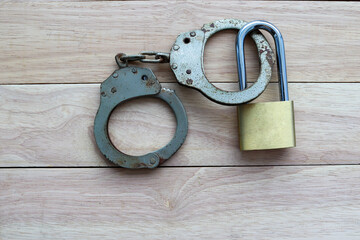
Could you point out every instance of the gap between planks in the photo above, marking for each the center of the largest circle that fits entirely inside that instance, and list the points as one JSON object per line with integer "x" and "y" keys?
{"x": 97, "y": 83}
{"x": 194, "y": 166}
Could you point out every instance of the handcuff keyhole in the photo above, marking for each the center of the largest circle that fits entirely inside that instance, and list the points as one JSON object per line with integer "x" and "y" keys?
{"x": 144, "y": 77}
{"x": 186, "y": 40}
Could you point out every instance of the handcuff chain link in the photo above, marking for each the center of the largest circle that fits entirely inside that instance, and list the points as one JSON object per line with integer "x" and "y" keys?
{"x": 122, "y": 59}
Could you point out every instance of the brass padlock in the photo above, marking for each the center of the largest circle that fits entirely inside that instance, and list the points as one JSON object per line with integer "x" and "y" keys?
{"x": 266, "y": 125}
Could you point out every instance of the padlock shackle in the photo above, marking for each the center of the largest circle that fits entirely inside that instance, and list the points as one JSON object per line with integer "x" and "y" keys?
{"x": 280, "y": 54}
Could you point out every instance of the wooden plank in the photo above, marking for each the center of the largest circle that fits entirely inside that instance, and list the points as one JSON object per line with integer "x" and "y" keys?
{"x": 75, "y": 42}
{"x": 51, "y": 125}
{"x": 181, "y": 203}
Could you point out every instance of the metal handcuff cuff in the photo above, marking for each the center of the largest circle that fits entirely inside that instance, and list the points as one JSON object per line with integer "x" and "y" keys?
{"x": 186, "y": 61}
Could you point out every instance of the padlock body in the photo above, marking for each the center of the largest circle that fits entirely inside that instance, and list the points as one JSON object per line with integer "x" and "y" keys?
{"x": 266, "y": 125}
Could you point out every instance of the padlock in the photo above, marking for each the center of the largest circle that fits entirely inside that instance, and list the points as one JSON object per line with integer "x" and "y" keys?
{"x": 265, "y": 125}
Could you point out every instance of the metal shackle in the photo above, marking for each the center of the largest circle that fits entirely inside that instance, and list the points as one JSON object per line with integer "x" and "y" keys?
{"x": 280, "y": 54}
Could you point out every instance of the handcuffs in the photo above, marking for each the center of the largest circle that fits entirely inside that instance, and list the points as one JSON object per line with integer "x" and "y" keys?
{"x": 129, "y": 83}
{"x": 186, "y": 61}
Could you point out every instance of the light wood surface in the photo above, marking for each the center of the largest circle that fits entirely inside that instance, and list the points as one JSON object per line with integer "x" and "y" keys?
{"x": 76, "y": 41}
{"x": 51, "y": 125}
{"x": 54, "y": 183}
{"x": 181, "y": 203}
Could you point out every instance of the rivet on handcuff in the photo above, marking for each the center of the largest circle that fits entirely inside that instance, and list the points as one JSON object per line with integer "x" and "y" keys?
{"x": 186, "y": 61}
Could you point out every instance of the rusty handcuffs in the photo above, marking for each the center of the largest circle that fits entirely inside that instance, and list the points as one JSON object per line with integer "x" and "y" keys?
{"x": 129, "y": 83}
{"x": 186, "y": 61}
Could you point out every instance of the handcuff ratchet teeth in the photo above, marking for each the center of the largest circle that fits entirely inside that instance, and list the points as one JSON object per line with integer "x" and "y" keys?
{"x": 129, "y": 83}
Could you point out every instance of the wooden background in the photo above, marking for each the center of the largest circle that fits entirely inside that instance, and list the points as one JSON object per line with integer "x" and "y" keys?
{"x": 54, "y": 183}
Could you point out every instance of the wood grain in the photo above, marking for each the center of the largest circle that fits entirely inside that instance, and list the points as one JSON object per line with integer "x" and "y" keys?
{"x": 75, "y": 42}
{"x": 181, "y": 203}
{"x": 51, "y": 125}
{"x": 260, "y": 195}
